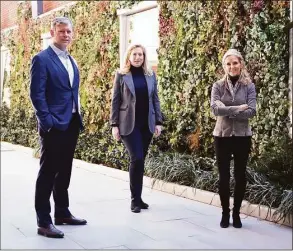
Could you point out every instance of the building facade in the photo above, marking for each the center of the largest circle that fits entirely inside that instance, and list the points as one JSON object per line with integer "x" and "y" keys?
{"x": 9, "y": 10}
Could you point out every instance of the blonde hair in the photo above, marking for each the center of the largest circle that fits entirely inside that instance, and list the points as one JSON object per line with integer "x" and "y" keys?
{"x": 126, "y": 65}
{"x": 244, "y": 75}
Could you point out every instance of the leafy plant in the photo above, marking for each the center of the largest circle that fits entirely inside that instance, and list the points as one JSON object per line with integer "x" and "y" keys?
{"x": 276, "y": 162}
{"x": 194, "y": 36}
{"x": 201, "y": 173}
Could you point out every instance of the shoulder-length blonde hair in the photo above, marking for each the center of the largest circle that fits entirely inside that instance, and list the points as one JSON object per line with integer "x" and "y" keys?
{"x": 244, "y": 75}
{"x": 126, "y": 64}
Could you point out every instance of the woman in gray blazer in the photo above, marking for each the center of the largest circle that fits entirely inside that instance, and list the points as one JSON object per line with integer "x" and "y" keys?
{"x": 136, "y": 115}
{"x": 233, "y": 101}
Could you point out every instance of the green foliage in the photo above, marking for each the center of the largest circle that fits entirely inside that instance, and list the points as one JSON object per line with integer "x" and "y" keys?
{"x": 183, "y": 169}
{"x": 201, "y": 173}
{"x": 194, "y": 36}
{"x": 102, "y": 149}
{"x": 4, "y": 114}
{"x": 276, "y": 162}
{"x": 267, "y": 50}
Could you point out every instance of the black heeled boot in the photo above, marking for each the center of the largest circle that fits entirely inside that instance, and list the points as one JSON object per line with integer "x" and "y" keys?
{"x": 143, "y": 205}
{"x": 236, "y": 220}
{"x": 134, "y": 207}
{"x": 225, "y": 220}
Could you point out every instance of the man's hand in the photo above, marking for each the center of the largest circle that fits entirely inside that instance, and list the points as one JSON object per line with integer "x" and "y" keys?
{"x": 158, "y": 130}
{"x": 115, "y": 133}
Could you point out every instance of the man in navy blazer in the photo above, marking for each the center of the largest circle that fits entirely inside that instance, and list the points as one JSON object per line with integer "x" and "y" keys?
{"x": 54, "y": 95}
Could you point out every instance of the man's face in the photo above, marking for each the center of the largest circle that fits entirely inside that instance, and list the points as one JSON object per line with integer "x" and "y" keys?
{"x": 62, "y": 35}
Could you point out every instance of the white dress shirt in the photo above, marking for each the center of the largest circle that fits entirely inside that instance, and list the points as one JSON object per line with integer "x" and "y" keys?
{"x": 64, "y": 58}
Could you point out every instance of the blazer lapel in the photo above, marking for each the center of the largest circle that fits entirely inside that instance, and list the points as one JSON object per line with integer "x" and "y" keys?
{"x": 149, "y": 80}
{"x": 75, "y": 70}
{"x": 129, "y": 82}
{"x": 57, "y": 61}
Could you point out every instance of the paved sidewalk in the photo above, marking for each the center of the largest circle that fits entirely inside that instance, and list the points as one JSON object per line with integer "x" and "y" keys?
{"x": 171, "y": 222}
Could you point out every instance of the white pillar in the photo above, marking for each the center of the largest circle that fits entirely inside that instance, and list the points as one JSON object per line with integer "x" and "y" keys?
{"x": 124, "y": 23}
{"x": 37, "y": 8}
{"x": 124, "y": 31}
{"x": 291, "y": 66}
{"x": 4, "y": 52}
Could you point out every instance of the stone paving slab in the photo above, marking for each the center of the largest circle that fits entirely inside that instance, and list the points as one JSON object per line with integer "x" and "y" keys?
{"x": 101, "y": 195}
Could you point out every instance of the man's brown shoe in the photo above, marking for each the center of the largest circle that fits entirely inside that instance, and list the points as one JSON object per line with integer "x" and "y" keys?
{"x": 50, "y": 231}
{"x": 70, "y": 221}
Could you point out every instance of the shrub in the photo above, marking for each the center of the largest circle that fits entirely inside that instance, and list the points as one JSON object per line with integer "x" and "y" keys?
{"x": 276, "y": 162}
{"x": 201, "y": 173}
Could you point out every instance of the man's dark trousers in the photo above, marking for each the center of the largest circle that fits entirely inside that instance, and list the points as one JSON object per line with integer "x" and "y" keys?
{"x": 57, "y": 151}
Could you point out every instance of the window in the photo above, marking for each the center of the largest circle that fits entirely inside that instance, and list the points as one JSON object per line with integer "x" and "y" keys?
{"x": 5, "y": 74}
{"x": 37, "y": 8}
{"x": 46, "y": 40}
{"x": 140, "y": 25}
{"x": 144, "y": 28}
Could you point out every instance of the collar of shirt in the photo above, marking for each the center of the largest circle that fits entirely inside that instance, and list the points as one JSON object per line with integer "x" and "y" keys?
{"x": 59, "y": 52}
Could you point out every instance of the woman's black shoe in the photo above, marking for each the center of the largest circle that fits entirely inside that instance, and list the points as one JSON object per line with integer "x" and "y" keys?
{"x": 236, "y": 221}
{"x": 225, "y": 221}
{"x": 134, "y": 208}
{"x": 143, "y": 205}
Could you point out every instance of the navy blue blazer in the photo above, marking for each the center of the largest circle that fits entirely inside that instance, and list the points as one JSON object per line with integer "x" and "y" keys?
{"x": 50, "y": 91}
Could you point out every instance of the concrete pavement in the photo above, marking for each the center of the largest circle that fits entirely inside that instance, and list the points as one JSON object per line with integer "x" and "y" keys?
{"x": 103, "y": 199}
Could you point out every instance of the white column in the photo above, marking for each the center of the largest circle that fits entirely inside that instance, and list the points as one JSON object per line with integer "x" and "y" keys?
{"x": 4, "y": 52}
{"x": 124, "y": 23}
{"x": 46, "y": 40}
{"x": 5, "y": 66}
{"x": 34, "y": 5}
{"x": 291, "y": 66}
{"x": 124, "y": 31}
{"x": 37, "y": 8}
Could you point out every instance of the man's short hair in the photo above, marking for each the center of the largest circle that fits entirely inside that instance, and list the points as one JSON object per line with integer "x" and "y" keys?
{"x": 61, "y": 20}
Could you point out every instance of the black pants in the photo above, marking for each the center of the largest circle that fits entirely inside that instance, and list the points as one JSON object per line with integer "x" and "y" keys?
{"x": 57, "y": 151}
{"x": 240, "y": 148}
{"x": 137, "y": 144}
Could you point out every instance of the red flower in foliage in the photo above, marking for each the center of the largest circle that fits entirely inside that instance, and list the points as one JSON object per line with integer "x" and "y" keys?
{"x": 102, "y": 6}
{"x": 258, "y": 5}
{"x": 166, "y": 26}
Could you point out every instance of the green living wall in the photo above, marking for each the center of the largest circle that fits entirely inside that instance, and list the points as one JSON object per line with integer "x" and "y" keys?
{"x": 194, "y": 35}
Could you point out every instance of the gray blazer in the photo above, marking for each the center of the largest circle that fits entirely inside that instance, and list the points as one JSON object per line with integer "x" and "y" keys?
{"x": 229, "y": 120}
{"x": 124, "y": 99}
